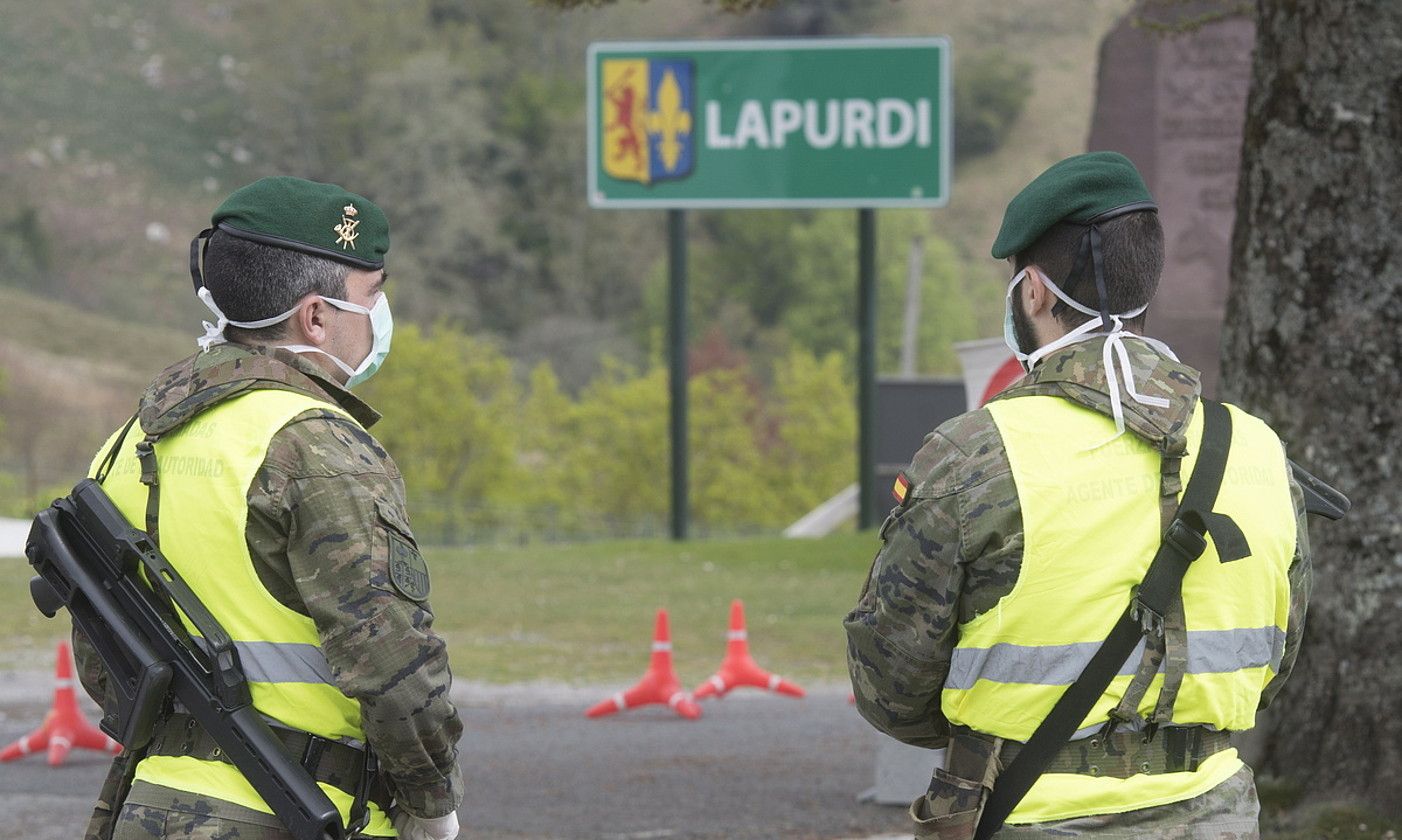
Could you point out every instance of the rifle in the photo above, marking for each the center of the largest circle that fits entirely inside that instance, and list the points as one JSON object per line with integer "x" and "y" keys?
{"x": 92, "y": 561}
{"x": 1320, "y": 498}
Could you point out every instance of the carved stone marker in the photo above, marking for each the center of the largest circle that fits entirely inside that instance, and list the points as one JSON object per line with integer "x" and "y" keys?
{"x": 1174, "y": 103}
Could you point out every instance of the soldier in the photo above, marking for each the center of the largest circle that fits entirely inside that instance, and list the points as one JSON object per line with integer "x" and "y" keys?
{"x": 251, "y": 465}
{"x": 1027, "y": 524}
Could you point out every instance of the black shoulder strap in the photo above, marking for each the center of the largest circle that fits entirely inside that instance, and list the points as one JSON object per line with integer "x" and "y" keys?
{"x": 150, "y": 476}
{"x": 111, "y": 457}
{"x": 1183, "y": 542}
{"x": 146, "y": 455}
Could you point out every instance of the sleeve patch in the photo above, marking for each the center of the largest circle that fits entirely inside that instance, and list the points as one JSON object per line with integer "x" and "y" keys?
{"x": 407, "y": 570}
{"x": 900, "y": 491}
{"x": 397, "y": 564}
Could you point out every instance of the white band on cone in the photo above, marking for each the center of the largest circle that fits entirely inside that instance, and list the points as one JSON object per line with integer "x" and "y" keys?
{"x": 774, "y": 681}
{"x": 676, "y": 698}
{"x": 737, "y": 635}
{"x": 619, "y": 701}
{"x": 661, "y": 646}
{"x": 716, "y": 681}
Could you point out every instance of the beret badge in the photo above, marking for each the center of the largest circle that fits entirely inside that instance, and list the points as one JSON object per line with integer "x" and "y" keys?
{"x": 345, "y": 231}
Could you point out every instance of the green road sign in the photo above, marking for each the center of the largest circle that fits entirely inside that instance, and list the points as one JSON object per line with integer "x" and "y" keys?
{"x": 860, "y": 122}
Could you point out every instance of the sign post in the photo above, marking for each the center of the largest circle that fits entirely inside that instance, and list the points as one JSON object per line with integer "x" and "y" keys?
{"x": 859, "y": 123}
{"x": 866, "y": 366}
{"x": 676, "y": 358}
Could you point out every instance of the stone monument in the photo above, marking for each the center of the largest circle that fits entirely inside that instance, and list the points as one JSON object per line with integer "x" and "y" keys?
{"x": 1172, "y": 98}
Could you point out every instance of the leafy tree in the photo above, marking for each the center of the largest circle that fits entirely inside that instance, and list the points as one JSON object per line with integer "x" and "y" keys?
{"x": 727, "y": 5}
{"x": 26, "y": 248}
{"x": 750, "y": 257}
{"x": 728, "y": 470}
{"x": 807, "y": 19}
{"x": 552, "y": 472}
{"x": 822, "y": 319}
{"x": 450, "y": 400}
{"x": 990, "y": 90}
{"x": 621, "y": 438}
{"x": 812, "y": 455}
{"x": 773, "y": 280}
{"x": 430, "y": 162}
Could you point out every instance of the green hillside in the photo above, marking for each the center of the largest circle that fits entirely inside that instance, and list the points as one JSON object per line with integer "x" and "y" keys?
{"x": 126, "y": 121}
{"x": 128, "y": 352}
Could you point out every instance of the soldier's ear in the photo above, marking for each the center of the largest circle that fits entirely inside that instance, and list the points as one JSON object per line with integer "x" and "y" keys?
{"x": 313, "y": 320}
{"x": 1039, "y": 298}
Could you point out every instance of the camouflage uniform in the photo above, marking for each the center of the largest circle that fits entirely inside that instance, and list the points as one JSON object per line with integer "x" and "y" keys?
{"x": 182, "y": 816}
{"x": 953, "y": 552}
{"x": 324, "y": 510}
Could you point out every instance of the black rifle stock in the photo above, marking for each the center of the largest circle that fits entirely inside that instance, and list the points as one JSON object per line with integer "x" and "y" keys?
{"x": 89, "y": 559}
{"x": 1320, "y": 498}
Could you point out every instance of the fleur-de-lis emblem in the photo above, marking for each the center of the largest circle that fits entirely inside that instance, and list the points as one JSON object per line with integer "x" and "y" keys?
{"x": 346, "y": 230}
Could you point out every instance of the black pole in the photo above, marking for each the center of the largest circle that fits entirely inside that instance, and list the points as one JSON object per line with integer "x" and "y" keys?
{"x": 866, "y": 367}
{"x": 676, "y": 337}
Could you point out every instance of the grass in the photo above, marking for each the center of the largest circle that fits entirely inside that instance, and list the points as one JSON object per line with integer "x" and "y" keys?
{"x": 584, "y": 613}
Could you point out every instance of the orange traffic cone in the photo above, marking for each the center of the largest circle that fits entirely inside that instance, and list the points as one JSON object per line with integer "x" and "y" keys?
{"x": 738, "y": 667}
{"x": 64, "y": 727}
{"x": 658, "y": 685}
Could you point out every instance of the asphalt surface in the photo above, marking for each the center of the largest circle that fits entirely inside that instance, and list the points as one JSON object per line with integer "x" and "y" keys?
{"x": 755, "y": 766}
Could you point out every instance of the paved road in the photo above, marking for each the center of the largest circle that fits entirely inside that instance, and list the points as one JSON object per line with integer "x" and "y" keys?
{"x": 755, "y": 766}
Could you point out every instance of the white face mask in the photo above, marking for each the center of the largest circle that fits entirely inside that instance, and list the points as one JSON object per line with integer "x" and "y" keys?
{"x": 381, "y": 327}
{"x": 1009, "y": 330}
{"x": 1114, "y": 346}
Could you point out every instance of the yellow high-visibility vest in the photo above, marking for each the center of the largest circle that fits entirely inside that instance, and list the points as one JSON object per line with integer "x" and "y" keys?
{"x": 205, "y": 469}
{"x": 1091, "y": 524}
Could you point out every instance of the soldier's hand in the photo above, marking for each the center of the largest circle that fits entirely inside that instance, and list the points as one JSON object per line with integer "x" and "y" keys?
{"x": 410, "y": 827}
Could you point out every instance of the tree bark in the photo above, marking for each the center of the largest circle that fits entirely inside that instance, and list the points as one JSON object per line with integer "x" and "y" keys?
{"x": 1312, "y": 344}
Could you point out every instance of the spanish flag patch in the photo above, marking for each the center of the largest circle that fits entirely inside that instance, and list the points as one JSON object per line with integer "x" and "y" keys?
{"x": 900, "y": 491}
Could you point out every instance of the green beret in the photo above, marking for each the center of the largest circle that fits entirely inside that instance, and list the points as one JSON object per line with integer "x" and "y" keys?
{"x": 323, "y": 220}
{"x": 1086, "y": 188}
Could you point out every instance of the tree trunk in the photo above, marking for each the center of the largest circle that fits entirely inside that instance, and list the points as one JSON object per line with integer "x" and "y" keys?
{"x": 1312, "y": 344}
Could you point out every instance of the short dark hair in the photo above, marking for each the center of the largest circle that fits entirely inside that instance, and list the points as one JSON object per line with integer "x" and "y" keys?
{"x": 1132, "y": 249}
{"x": 251, "y": 281}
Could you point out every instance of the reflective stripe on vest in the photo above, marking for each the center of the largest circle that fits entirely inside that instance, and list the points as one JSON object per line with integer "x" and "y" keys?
{"x": 206, "y": 467}
{"x": 282, "y": 662}
{"x": 1091, "y": 523}
{"x": 1209, "y": 652}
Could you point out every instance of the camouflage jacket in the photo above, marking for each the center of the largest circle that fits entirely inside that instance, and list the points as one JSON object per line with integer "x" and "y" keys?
{"x": 954, "y": 551}
{"x": 320, "y": 511}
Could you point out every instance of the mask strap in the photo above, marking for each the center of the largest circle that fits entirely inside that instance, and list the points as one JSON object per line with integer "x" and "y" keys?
{"x": 1071, "y": 302}
{"x": 213, "y": 333}
{"x": 1115, "y": 357}
{"x": 1081, "y": 333}
{"x": 1098, "y": 266}
{"x": 307, "y": 348}
{"x": 347, "y": 306}
{"x": 1114, "y": 352}
{"x": 1082, "y": 254}
{"x": 195, "y": 273}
